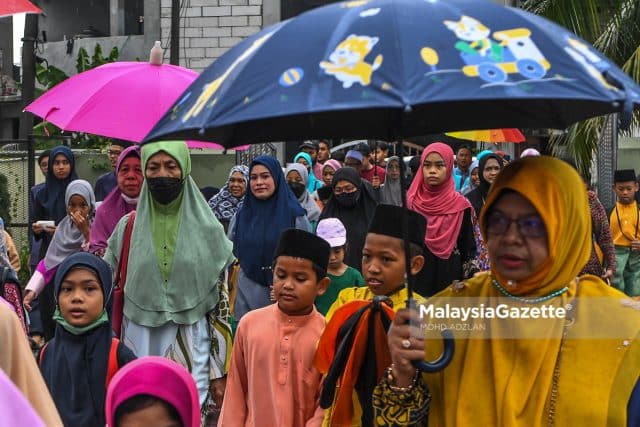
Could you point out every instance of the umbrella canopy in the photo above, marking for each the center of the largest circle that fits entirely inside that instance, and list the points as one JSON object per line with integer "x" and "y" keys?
{"x": 12, "y": 7}
{"x": 397, "y": 68}
{"x": 118, "y": 100}
{"x": 490, "y": 135}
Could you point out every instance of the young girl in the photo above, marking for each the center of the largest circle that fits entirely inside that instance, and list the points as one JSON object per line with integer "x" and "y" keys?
{"x": 79, "y": 362}
{"x": 305, "y": 160}
{"x": 342, "y": 276}
{"x": 153, "y": 391}
{"x": 449, "y": 240}
{"x": 72, "y": 235}
{"x": 297, "y": 177}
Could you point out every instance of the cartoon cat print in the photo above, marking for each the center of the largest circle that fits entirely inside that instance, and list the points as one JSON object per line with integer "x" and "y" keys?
{"x": 347, "y": 61}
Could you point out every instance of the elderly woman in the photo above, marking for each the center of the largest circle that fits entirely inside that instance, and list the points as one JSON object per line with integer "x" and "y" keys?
{"x": 577, "y": 366}
{"x": 226, "y": 203}
{"x": 122, "y": 199}
{"x": 175, "y": 294}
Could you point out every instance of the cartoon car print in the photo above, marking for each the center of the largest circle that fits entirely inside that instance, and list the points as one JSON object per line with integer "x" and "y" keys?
{"x": 516, "y": 53}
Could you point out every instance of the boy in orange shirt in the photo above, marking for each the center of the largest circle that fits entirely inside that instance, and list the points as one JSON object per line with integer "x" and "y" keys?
{"x": 272, "y": 381}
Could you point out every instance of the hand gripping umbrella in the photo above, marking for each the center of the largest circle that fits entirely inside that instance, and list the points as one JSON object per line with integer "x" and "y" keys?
{"x": 388, "y": 69}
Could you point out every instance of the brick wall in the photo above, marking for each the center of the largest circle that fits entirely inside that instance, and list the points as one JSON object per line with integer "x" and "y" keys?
{"x": 208, "y": 28}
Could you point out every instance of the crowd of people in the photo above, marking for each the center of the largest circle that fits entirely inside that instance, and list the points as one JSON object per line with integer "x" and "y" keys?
{"x": 279, "y": 300}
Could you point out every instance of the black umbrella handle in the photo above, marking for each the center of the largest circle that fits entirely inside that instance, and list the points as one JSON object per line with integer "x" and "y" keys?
{"x": 447, "y": 354}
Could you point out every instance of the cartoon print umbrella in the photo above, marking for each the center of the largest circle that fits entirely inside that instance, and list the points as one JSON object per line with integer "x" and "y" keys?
{"x": 490, "y": 135}
{"x": 13, "y": 7}
{"x": 384, "y": 69}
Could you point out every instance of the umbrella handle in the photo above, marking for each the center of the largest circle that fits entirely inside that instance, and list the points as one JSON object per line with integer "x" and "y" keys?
{"x": 447, "y": 354}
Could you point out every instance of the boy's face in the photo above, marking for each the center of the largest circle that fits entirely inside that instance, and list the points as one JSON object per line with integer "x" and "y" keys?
{"x": 383, "y": 263}
{"x": 336, "y": 258}
{"x": 295, "y": 285}
{"x": 80, "y": 300}
{"x": 626, "y": 191}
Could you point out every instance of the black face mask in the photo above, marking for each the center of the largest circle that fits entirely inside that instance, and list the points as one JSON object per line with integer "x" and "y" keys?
{"x": 297, "y": 188}
{"x": 348, "y": 200}
{"x": 164, "y": 189}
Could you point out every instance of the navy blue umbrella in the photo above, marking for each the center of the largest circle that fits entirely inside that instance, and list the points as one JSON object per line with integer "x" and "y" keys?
{"x": 389, "y": 68}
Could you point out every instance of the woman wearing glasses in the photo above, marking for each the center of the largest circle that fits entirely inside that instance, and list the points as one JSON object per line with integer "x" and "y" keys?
{"x": 450, "y": 242}
{"x": 578, "y": 364}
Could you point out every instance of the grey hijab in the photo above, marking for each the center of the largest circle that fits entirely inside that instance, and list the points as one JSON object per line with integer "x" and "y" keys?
{"x": 390, "y": 194}
{"x": 68, "y": 239}
{"x": 306, "y": 201}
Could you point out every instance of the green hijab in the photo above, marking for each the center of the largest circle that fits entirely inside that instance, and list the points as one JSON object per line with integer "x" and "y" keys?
{"x": 177, "y": 253}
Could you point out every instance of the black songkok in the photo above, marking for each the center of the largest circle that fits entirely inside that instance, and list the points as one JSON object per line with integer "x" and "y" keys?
{"x": 302, "y": 244}
{"x": 387, "y": 220}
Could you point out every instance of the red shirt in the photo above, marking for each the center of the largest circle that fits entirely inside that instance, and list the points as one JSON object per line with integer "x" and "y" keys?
{"x": 368, "y": 175}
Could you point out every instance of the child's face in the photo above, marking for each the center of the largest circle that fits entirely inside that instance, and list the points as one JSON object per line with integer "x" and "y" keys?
{"x": 626, "y": 191}
{"x": 295, "y": 285}
{"x": 78, "y": 206}
{"x": 434, "y": 170}
{"x": 336, "y": 258}
{"x": 80, "y": 300}
{"x": 383, "y": 263}
{"x": 151, "y": 416}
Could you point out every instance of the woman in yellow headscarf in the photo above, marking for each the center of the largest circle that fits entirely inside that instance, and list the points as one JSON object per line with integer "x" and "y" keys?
{"x": 577, "y": 365}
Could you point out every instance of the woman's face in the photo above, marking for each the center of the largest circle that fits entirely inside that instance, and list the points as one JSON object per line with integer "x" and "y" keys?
{"x": 434, "y": 170}
{"x": 162, "y": 164}
{"x": 516, "y": 237}
{"x": 294, "y": 176}
{"x": 327, "y": 175}
{"x": 491, "y": 170}
{"x": 394, "y": 169}
{"x": 261, "y": 182}
{"x": 237, "y": 185}
{"x": 475, "y": 177}
{"x": 303, "y": 162}
{"x": 61, "y": 167}
{"x": 130, "y": 176}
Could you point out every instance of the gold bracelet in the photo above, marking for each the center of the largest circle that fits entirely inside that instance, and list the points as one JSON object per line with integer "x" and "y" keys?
{"x": 391, "y": 380}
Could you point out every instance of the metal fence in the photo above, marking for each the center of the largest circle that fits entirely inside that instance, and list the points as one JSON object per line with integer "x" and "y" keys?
{"x": 17, "y": 168}
{"x": 247, "y": 156}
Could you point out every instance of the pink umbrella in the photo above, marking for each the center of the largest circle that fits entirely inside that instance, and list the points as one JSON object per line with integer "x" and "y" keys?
{"x": 12, "y": 7}
{"x": 118, "y": 100}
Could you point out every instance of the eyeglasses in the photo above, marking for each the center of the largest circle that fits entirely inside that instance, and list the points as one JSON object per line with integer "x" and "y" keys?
{"x": 529, "y": 226}
{"x": 115, "y": 153}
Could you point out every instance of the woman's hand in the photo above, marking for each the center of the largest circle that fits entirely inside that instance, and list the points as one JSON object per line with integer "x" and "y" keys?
{"x": 216, "y": 389}
{"x": 82, "y": 223}
{"x": 37, "y": 228}
{"x": 28, "y": 297}
{"x": 406, "y": 343}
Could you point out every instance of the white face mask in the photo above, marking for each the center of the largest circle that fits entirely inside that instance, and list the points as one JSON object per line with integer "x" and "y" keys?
{"x": 130, "y": 200}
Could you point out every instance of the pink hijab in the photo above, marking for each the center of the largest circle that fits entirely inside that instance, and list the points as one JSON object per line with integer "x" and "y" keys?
{"x": 441, "y": 205}
{"x": 112, "y": 208}
{"x": 158, "y": 377}
{"x": 14, "y": 406}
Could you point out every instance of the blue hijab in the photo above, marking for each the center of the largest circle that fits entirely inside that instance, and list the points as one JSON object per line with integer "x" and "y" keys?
{"x": 75, "y": 366}
{"x": 259, "y": 224}
{"x": 313, "y": 183}
{"x": 51, "y": 196}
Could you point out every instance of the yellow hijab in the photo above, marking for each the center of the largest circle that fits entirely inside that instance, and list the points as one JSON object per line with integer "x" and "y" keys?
{"x": 509, "y": 381}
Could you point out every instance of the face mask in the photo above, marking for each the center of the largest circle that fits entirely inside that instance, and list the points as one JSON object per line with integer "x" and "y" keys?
{"x": 130, "y": 200}
{"x": 164, "y": 190}
{"x": 297, "y": 188}
{"x": 348, "y": 200}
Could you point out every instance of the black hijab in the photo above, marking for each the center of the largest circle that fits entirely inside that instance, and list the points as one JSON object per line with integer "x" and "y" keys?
{"x": 356, "y": 219}
{"x": 75, "y": 366}
{"x": 479, "y": 195}
{"x": 51, "y": 196}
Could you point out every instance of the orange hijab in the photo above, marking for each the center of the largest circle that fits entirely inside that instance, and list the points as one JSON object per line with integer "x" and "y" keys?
{"x": 506, "y": 378}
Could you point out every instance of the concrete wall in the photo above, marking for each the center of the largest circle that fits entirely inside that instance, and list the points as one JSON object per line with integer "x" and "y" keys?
{"x": 208, "y": 28}
{"x": 70, "y": 17}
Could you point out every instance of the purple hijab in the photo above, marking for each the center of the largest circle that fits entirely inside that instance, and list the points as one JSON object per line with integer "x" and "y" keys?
{"x": 112, "y": 209}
